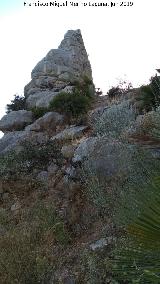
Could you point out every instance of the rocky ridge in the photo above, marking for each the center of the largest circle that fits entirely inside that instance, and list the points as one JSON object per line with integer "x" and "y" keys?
{"x": 53, "y": 155}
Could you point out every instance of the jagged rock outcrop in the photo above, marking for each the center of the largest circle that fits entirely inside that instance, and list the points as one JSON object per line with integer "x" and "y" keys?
{"x": 16, "y": 120}
{"x": 38, "y": 131}
{"x": 59, "y": 71}
{"x": 60, "y": 68}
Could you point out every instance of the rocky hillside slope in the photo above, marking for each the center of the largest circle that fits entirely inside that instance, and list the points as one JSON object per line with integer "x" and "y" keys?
{"x": 62, "y": 175}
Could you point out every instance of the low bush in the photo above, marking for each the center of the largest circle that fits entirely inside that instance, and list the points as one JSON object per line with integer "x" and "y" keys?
{"x": 115, "y": 121}
{"x": 121, "y": 89}
{"x": 114, "y": 92}
{"x": 72, "y": 104}
{"x": 18, "y": 103}
{"x": 85, "y": 87}
{"x": 77, "y": 103}
{"x": 150, "y": 95}
{"x": 39, "y": 112}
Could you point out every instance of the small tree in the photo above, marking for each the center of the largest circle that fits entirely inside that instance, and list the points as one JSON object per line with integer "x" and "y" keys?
{"x": 18, "y": 103}
{"x": 122, "y": 88}
{"x": 150, "y": 95}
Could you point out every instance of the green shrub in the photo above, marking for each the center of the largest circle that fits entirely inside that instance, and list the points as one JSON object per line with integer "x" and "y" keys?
{"x": 85, "y": 87}
{"x": 150, "y": 95}
{"x": 39, "y": 111}
{"x": 72, "y": 104}
{"x": 114, "y": 92}
{"x": 18, "y": 103}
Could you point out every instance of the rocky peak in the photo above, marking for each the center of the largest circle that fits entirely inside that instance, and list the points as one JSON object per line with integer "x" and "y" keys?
{"x": 59, "y": 68}
{"x": 73, "y": 38}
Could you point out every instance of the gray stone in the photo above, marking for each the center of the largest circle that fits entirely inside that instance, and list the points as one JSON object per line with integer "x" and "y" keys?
{"x": 98, "y": 244}
{"x": 108, "y": 159}
{"x": 84, "y": 149}
{"x": 16, "y": 120}
{"x": 101, "y": 243}
{"x": 40, "y": 99}
{"x": 12, "y": 140}
{"x": 70, "y": 133}
{"x": 42, "y": 83}
{"x": 68, "y": 89}
{"x": 47, "y": 122}
{"x": 16, "y": 206}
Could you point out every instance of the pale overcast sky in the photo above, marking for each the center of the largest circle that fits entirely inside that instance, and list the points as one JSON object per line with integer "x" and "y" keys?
{"x": 122, "y": 42}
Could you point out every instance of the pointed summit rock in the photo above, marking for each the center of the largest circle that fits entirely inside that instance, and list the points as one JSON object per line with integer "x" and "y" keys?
{"x": 60, "y": 67}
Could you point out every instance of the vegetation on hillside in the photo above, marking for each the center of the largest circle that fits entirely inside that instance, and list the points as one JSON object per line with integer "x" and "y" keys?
{"x": 150, "y": 95}
{"x": 18, "y": 103}
{"x": 121, "y": 89}
{"x": 117, "y": 199}
{"x": 75, "y": 103}
{"x": 26, "y": 244}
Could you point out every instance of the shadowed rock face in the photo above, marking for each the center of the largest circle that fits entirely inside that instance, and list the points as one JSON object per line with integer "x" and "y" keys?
{"x": 16, "y": 120}
{"x": 61, "y": 66}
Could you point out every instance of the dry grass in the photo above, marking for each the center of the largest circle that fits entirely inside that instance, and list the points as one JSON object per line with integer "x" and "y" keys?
{"x": 26, "y": 254}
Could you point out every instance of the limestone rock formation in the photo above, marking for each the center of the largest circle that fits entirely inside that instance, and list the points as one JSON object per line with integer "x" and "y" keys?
{"x": 40, "y": 99}
{"x": 9, "y": 140}
{"x": 12, "y": 140}
{"x": 59, "y": 69}
{"x": 16, "y": 120}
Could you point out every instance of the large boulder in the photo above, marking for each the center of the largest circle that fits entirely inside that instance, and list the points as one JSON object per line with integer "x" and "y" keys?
{"x": 40, "y": 99}
{"x": 12, "y": 140}
{"x": 48, "y": 122}
{"x": 16, "y": 120}
{"x": 85, "y": 149}
{"x": 102, "y": 157}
